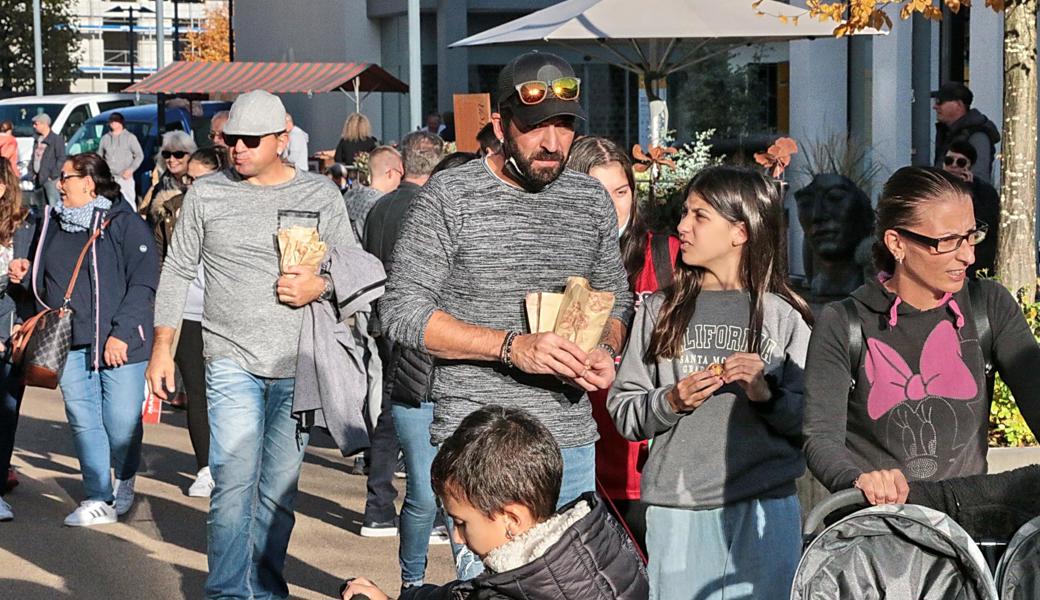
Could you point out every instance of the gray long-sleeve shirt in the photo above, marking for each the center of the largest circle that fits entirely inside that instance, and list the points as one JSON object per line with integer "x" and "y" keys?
{"x": 231, "y": 226}
{"x": 474, "y": 247}
{"x": 729, "y": 449}
{"x": 122, "y": 152}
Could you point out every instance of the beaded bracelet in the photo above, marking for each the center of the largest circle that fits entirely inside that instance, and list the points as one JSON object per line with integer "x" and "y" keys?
{"x": 507, "y": 348}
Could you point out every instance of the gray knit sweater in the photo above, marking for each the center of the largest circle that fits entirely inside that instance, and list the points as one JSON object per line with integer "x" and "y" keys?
{"x": 474, "y": 247}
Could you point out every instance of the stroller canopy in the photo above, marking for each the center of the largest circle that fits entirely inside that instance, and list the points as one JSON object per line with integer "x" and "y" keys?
{"x": 1018, "y": 574}
{"x": 893, "y": 552}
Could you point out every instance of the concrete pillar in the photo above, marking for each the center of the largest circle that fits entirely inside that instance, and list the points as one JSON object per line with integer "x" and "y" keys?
{"x": 986, "y": 69}
{"x": 891, "y": 101}
{"x": 818, "y": 110}
{"x": 452, "y": 63}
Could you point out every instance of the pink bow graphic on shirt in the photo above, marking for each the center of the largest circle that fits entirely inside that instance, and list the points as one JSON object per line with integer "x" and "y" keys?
{"x": 943, "y": 373}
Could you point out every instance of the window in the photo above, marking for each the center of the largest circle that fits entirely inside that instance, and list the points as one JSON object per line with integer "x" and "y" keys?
{"x": 77, "y": 118}
{"x": 113, "y": 104}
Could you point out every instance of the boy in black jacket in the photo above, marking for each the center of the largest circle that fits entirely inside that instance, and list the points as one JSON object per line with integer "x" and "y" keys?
{"x": 499, "y": 478}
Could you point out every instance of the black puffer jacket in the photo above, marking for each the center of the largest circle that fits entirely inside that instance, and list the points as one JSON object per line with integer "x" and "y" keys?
{"x": 976, "y": 129}
{"x": 593, "y": 560}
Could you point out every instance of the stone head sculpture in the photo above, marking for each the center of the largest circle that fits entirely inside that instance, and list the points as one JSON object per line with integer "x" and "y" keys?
{"x": 836, "y": 216}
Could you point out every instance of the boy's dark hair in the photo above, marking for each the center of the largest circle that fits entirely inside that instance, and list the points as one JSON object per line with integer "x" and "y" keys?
{"x": 487, "y": 139}
{"x": 500, "y": 456}
{"x": 964, "y": 148}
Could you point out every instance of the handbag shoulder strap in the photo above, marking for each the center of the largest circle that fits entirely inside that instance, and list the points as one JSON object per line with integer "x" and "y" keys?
{"x": 82, "y": 255}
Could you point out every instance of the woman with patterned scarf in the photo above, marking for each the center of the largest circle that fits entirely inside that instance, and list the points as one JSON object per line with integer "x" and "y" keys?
{"x": 112, "y": 309}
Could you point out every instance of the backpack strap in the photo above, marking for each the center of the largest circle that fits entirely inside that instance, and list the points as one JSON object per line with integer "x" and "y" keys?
{"x": 848, "y": 306}
{"x": 662, "y": 259}
{"x": 980, "y": 316}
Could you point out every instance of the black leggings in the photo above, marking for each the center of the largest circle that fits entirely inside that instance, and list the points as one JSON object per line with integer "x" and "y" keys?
{"x": 193, "y": 372}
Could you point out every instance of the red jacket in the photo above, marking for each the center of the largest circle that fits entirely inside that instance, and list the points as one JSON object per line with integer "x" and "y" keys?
{"x": 619, "y": 461}
{"x": 9, "y": 151}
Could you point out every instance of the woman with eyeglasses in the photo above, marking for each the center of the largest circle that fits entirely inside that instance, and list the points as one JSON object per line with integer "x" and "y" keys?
{"x": 167, "y": 179}
{"x": 17, "y": 225}
{"x": 112, "y": 325}
{"x": 188, "y": 357}
{"x": 915, "y": 344}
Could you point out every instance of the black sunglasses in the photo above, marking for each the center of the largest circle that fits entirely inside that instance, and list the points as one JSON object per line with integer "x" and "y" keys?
{"x": 951, "y": 243}
{"x": 250, "y": 141}
{"x": 960, "y": 161}
{"x": 178, "y": 154}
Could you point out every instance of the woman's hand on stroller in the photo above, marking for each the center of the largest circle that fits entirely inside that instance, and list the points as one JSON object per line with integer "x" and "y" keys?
{"x": 886, "y": 486}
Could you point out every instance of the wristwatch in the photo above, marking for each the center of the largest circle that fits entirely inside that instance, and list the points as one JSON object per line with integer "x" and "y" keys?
{"x": 326, "y": 294}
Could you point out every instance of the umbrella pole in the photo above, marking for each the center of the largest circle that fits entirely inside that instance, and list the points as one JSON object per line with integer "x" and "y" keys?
{"x": 357, "y": 94}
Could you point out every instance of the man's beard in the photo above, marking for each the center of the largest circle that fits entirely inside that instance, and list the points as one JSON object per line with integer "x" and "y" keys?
{"x": 537, "y": 179}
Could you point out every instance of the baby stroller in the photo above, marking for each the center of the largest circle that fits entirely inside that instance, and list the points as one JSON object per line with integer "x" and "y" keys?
{"x": 927, "y": 550}
{"x": 1018, "y": 573}
{"x": 892, "y": 552}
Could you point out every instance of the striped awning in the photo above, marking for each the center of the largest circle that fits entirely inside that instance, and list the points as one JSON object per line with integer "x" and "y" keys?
{"x": 277, "y": 78}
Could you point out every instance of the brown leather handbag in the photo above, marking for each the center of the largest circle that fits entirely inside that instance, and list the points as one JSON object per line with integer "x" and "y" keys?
{"x": 42, "y": 345}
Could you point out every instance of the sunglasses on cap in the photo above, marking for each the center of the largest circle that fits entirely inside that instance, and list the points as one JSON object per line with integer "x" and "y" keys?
{"x": 178, "y": 154}
{"x": 960, "y": 161}
{"x": 535, "y": 92}
{"x": 250, "y": 141}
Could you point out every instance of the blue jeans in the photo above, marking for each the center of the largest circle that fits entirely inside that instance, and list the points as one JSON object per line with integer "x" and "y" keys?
{"x": 104, "y": 412}
{"x": 256, "y": 449}
{"x": 745, "y": 550}
{"x": 579, "y": 476}
{"x": 420, "y": 505}
{"x": 11, "y": 391}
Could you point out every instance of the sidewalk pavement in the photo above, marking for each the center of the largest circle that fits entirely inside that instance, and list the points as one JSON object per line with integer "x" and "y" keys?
{"x": 158, "y": 550}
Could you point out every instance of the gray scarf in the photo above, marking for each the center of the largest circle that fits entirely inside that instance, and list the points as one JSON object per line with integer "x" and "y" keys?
{"x": 77, "y": 220}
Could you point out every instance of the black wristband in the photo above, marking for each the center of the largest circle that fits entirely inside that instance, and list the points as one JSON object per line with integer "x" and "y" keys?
{"x": 505, "y": 354}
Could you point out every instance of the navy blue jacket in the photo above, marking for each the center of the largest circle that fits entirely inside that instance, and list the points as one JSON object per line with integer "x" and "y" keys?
{"x": 123, "y": 270}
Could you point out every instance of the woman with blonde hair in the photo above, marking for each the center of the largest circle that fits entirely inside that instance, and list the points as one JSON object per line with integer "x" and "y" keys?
{"x": 16, "y": 232}
{"x": 356, "y": 137}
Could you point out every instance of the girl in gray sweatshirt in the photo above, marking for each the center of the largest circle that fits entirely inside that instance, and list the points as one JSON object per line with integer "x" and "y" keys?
{"x": 712, "y": 375}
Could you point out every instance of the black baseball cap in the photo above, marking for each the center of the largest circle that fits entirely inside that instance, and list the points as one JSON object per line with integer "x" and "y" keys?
{"x": 954, "y": 90}
{"x": 536, "y": 66}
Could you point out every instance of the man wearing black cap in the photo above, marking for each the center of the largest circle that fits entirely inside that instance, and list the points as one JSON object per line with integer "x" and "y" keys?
{"x": 482, "y": 236}
{"x": 957, "y": 120}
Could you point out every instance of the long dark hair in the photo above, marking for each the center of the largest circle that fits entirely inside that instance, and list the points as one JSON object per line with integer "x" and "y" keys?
{"x": 12, "y": 213}
{"x": 590, "y": 152}
{"x": 89, "y": 164}
{"x": 900, "y": 205}
{"x": 215, "y": 159}
{"x": 741, "y": 196}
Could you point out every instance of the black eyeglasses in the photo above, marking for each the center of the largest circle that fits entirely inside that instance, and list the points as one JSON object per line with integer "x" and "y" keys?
{"x": 250, "y": 141}
{"x": 960, "y": 161}
{"x": 67, "y": 176}
{"x": 178, "y": 154}
{"x": 535, "y": 92}
{"x": 950, "y": 243}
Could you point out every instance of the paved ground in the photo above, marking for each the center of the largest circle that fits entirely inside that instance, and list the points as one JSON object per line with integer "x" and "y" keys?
{"x": 158, "y": 551}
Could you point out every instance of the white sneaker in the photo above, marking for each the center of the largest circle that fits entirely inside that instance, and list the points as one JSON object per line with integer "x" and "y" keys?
{"x": 124, "y": 493}
{"x": 439, "y": 536}
{"x": 92, "y": 512}
{"x": 203, "y": 485}
{"x": 5, "y": 511}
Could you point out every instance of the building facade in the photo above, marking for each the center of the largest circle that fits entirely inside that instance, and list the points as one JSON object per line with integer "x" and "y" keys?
{"x": 113, "y": 53}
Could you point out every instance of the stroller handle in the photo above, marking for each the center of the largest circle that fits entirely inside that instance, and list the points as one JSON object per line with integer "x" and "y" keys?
{"x": 842, "y": 499}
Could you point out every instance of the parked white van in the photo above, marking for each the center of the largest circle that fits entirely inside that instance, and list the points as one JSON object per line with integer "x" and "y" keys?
{"x": 67, "y": 112}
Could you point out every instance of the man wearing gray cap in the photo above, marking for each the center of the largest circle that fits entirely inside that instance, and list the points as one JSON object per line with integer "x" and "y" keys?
{"x": 48, "y": 157}
{"x": 251, "y": 328}
{"x": 479, "y": 238}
